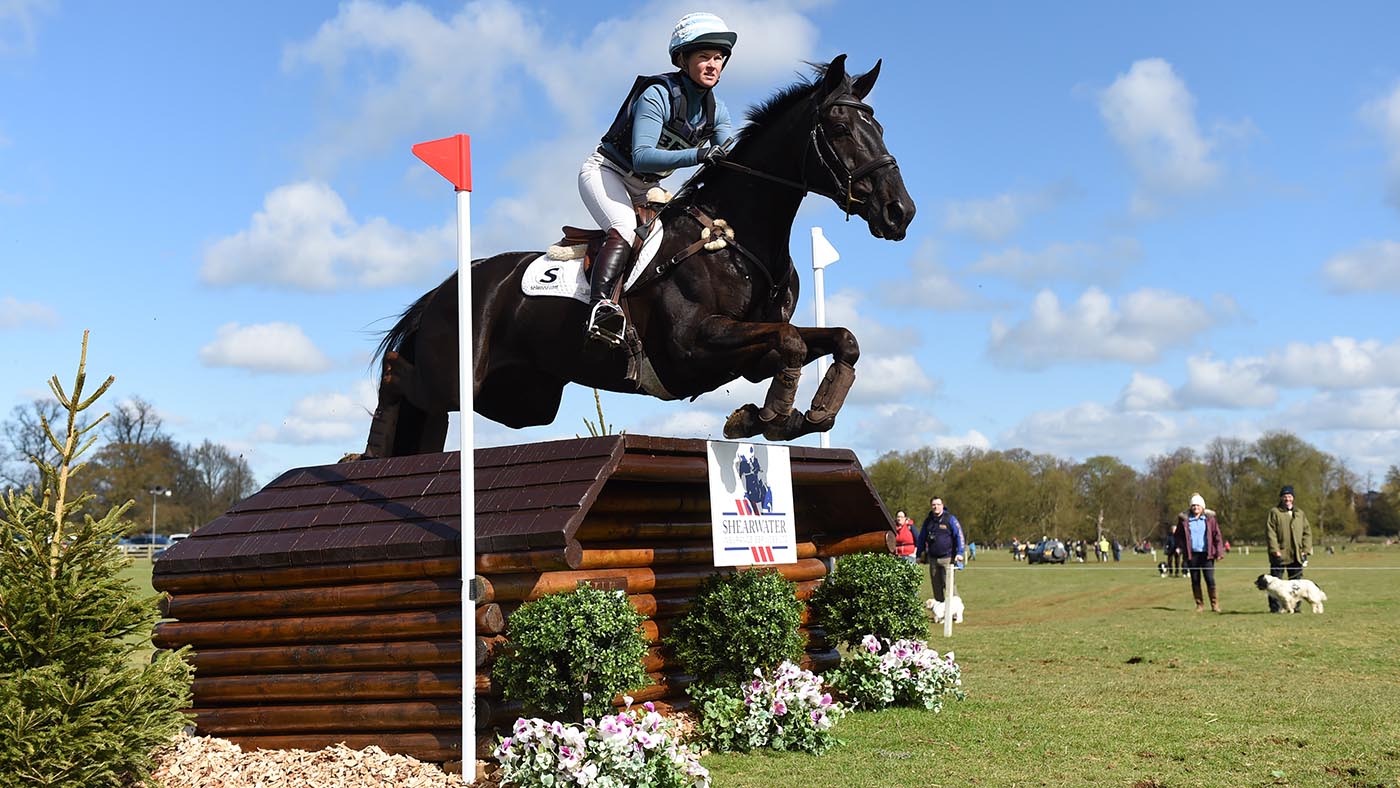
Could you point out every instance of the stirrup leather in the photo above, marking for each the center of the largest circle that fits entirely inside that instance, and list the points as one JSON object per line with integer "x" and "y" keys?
{"x": 606, "y": 323}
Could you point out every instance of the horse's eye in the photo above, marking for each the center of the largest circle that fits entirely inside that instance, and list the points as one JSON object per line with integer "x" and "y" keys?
{"x": 841, "y": 129}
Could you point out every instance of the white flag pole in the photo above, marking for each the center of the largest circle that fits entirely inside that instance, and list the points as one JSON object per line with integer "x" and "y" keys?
{"x": 823, "y": 254}
{"x": 451, "y": 158}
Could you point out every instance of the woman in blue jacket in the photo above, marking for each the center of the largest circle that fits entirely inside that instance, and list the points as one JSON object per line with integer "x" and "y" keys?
{"x": 668, "y": 121}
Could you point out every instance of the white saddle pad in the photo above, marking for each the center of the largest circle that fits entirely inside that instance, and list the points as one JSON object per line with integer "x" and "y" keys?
{"x": 567, "y": 279}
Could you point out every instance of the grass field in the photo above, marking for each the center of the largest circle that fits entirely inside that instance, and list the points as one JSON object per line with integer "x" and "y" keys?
{"x": 1103, "y": 674}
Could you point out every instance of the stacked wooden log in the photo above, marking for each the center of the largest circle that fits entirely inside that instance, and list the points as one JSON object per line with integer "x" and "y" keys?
{"x": 314, "y": 623}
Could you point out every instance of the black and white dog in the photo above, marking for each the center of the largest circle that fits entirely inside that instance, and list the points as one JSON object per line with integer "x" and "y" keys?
{"x": 1290, "y": 593}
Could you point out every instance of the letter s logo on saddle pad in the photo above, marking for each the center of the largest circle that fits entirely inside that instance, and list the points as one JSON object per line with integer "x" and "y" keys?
{"x": 567, "y": 279}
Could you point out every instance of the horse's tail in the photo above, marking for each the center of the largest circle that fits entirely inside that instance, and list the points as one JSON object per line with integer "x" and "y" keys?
{"x": 396, "y": 338}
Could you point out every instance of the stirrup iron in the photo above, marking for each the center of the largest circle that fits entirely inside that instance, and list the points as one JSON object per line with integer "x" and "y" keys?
{"x": 606, "y": 323}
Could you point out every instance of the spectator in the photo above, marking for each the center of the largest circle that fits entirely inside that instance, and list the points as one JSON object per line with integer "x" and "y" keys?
{"x": 1199, "y": 541}
{"x": 1117, "y": 551}
{"x": 1290, "y": 540}
{"x": 904, "y": 536}
{"x": 1173, "y": 552}
{"x": 940, "y": 543}
{"x": 1102, "y": 549}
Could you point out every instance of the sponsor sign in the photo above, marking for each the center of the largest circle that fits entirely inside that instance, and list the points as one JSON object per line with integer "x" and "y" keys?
{"x": 751, "y": 504}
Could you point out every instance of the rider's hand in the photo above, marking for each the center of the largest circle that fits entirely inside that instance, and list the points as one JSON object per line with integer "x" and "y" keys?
{"x": 710, "y": 154}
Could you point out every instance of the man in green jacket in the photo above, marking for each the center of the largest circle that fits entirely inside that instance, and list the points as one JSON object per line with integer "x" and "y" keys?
{"x": 1290, "y": 540}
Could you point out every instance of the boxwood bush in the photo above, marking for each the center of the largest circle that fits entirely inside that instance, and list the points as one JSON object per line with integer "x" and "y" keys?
{"x": 738, "y": 622}
{"x": 569, "y": 654}
{"x": 870, "y": 594}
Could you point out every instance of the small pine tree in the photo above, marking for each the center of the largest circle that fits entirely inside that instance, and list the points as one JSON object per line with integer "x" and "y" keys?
{"x": 77, "y": 708}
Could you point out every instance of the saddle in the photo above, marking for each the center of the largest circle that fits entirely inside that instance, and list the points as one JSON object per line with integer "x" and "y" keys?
{"x": 584, "y": 243}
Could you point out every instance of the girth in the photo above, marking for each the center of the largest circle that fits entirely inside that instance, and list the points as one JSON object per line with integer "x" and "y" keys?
{"x": 775, "y": 287}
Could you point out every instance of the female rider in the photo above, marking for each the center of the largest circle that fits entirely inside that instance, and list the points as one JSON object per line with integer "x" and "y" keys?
{"x": 667, "y": 121}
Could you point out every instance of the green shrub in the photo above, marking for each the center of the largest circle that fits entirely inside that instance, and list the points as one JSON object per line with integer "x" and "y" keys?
{"x": 738, "y": 622}
{"x": 569, "y": 654}
{"x": 870, "y": 594}
{"x": 76, "y": 706}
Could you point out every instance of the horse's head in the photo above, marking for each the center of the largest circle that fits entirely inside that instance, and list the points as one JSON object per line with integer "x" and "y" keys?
{"x": 863, "y": 177}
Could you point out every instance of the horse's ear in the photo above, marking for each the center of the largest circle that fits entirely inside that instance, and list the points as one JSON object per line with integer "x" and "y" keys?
{"x": 861, "y": 87}
{"x": 835, "y": 76}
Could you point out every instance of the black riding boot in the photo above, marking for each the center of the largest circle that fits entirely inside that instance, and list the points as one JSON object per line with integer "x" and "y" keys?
{"x": 606, "y": 322}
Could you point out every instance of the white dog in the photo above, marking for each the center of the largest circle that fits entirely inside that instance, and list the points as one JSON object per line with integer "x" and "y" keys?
{"x": 1290, "y": 593}
{"x": 939, "y": 609}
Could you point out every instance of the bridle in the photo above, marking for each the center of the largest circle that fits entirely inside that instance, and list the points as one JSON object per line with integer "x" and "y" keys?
{"x": 826, "y": 154}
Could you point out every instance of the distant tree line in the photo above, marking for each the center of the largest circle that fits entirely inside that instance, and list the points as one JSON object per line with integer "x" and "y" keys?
{"x": 133, "y": 455}
{"x": 1014, "y": 494}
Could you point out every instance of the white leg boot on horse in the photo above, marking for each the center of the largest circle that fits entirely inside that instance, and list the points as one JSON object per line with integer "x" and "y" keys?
{"x": 606, "y": 322}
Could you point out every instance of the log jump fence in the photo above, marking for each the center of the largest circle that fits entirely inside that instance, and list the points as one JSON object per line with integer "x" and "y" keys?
{"x": 326, "y": 607}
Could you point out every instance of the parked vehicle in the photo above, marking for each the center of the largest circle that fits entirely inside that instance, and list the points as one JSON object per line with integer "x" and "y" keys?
{"x": 1047, "y": 551}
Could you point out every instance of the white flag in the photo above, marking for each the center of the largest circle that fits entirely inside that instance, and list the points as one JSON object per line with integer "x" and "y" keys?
{"x": 823, "y": 253}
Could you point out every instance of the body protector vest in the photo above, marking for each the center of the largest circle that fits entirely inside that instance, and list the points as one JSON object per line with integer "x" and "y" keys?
{"x": 676, "y": 134}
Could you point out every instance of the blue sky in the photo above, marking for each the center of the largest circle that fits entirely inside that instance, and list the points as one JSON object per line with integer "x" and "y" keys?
{"x": 1139, "y": 226}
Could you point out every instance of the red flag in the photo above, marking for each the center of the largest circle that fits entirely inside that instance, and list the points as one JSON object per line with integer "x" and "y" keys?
{"x": 451, "y": 157}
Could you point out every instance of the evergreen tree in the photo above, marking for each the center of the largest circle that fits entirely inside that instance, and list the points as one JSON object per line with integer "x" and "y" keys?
{"x": 76, "y": 706}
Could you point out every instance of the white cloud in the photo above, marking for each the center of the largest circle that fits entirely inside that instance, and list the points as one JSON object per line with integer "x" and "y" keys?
{"x": 931, "y": 285}
{"x": 891, "y": 427}
{"x": 1145, "y": 392}
{"x": 15, "y": 314}
{"x": 19, "y": 25}
{"x": 1373, "y": 266}
{"x": 1090, "y": 429}
{"x": 889, "y": 379}
{"x": 1384, "y": 114}
{"x": 1092, "y": 329}
{"x": 264, "y": 347}
{"x": 994, "y": 219}
{"x": 1074, "y": 262}
{"x": 1342, "y": 362}
{"x": 1150, "y": 113}
{"x": 1366, "y": 409}
{"x": 1239, "y": 383}
{"x": 437, "y": 66}
{"x": 305, "y": 238}
{"x": 339, "y": 418}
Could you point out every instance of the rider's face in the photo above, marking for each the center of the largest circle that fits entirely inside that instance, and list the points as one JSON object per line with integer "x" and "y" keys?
{"x": 703, "y": 66}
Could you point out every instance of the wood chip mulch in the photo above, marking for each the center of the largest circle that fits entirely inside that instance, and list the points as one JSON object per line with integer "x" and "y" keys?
{"x": 207, "y": 762}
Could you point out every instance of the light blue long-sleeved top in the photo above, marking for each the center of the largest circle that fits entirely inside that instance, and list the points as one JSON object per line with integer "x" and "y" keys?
{"x": 650, "y": 112}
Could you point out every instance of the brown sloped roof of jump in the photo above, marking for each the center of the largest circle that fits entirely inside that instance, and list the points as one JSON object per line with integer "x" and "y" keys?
{"x": 527, "y": 496}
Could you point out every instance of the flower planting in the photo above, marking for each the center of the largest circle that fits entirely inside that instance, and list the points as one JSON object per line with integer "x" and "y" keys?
{"x": 787, "y": 709}
{"x": 637, "y": 748}
{"x": 907, "y": 673}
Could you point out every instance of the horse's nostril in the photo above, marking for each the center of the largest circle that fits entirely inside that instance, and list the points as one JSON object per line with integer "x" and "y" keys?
{"x": 894, "y": 213}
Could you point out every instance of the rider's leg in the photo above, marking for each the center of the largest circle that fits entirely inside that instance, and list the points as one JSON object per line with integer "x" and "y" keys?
{"x": 609, "y": 196}
{"x": 605, "y": 321}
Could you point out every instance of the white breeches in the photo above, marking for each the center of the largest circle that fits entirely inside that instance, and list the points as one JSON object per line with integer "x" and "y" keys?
{"x": 611, "y": 196}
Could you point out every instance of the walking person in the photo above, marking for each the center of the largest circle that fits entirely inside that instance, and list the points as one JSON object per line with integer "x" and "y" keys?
{"x": 940, "y": 543}
{"x": 1290, "y": 540}
{"x": 904, "y": 537}
{"x": 1199, "y": 541}
{"x": 1172, "y": 552}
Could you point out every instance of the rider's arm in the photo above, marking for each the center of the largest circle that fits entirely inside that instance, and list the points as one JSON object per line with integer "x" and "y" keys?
{"x": 650, "y": 112}
{"x": 724, "y": 127}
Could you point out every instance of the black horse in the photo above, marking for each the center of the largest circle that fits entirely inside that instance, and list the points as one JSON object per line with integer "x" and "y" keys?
{"x": 702, "y": 318}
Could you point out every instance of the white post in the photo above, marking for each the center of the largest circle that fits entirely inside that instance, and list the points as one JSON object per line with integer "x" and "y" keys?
{"x": 949, "y": 588}
{"x": 468, "y": 484}
{"x": 823, "y": 254}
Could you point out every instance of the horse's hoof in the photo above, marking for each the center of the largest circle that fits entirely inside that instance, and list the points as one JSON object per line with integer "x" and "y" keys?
{"x": 743, "y": 423}
{"x": 822, "y": 425}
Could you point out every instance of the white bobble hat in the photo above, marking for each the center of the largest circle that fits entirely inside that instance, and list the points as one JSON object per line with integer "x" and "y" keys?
{"x": 1197, "y": 500}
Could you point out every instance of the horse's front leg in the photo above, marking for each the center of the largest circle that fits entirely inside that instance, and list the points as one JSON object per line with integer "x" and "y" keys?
{"x": 757, "y": 351}
{"x": 841, "y": 345}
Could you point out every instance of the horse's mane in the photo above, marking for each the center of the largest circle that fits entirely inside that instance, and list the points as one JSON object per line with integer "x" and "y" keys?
{"x": 782, "y": 100}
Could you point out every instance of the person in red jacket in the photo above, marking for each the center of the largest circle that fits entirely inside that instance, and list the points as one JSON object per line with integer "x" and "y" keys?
{"x": 904, "y": 537}
{"x": 1199, "y": 540}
